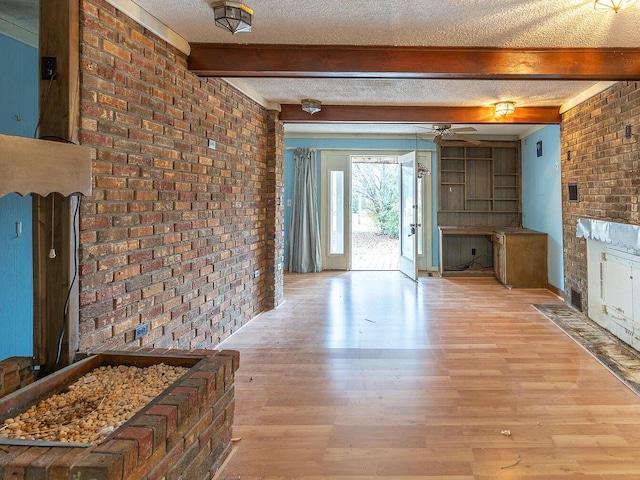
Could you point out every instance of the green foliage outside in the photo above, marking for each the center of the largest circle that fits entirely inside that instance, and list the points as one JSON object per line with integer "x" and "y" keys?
{"x": 377, "y": 186}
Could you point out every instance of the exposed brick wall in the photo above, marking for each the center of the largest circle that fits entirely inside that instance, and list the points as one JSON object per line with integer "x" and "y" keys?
{"x": 605, "y": 165}
{"x": 275, "y": 211}
{"x": 174, "y": 231}
{"x": 15, "y": 373}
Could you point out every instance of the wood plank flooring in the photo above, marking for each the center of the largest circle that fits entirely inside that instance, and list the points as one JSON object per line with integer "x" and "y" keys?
{"x": 373, "y": 261}
{"x": 366, "y": 375}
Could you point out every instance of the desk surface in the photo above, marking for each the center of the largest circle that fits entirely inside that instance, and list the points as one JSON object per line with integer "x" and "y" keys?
{"x": 486, "y": 230}
{"x": 453, "y": 230}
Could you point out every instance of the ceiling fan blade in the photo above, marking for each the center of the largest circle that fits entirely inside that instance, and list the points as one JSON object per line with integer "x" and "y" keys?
{"x": 463, "y": 129}
{"x": 467, "y": 139}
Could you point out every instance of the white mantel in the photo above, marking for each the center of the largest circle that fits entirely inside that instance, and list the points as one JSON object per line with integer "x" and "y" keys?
{"x": 615, "y": 234}
{"x": 613, "y": 258}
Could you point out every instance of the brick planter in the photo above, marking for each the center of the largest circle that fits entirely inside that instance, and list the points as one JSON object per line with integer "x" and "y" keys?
{"x": 184, "y": 433}
{"x": 15, "y": 373}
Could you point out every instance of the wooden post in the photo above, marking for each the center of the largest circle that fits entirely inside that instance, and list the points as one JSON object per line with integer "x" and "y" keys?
{"x": 53, "y": 215}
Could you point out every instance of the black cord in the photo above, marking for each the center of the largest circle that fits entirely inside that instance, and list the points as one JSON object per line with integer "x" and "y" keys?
{"x": 474, "y": 261}
{"x": 44, "y": 104}
{"x": 57, "y": 138}
{"x": 73, "y": 280}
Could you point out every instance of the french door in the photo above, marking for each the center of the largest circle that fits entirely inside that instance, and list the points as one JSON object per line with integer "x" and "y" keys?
{"x": 335, "y": 211}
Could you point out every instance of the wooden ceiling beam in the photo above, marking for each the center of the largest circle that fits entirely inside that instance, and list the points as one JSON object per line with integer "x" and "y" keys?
{"x": 389, "y": 62}
{"x": 402, "y": 114}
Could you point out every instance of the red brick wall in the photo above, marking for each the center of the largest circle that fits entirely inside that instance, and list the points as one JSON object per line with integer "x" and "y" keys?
{"x": 605, "y": 165}
{"x": 15, "y": 373}
{"x": 185, "y": 433}
{"x": 174, "y": 230}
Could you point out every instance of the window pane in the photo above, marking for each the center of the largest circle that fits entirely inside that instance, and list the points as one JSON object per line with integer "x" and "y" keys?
{"x": 336, "y": 230}
{"x": 419, "y": 202}
{"x": 406, "y": 244}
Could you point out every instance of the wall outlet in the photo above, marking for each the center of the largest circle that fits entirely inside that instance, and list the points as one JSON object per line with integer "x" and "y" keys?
{"x": 49, "y": 68}
{"x": 473, "y": 252}
{"x": 256, "y": 274}
{"x": 212, "y": 144}
{"x": 141, "y": 331}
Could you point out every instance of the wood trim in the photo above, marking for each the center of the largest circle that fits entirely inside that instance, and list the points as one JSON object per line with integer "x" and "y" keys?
{"x": 556, "y": 290}
{"x": 406, "y": 114}
{"x": 147, "y": 20}
{"x": 473, "y": 63}
{"x": 59, "y": 117}
{"x": 37, "y": 166}
{"x": 59, "y": 98}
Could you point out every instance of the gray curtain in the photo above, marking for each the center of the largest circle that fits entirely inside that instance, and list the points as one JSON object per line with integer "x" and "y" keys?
{"x": 304, "y": 232}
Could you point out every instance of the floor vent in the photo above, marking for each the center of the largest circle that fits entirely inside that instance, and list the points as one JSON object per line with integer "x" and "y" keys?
{"x": 576, "y": 299}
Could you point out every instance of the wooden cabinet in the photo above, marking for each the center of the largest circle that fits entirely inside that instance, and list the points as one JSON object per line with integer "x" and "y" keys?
{"x": 479, "y": 185}
{"x": 465, "y": 251}
{"x": 516, "y": 256}
{"x": 520, "y": 258}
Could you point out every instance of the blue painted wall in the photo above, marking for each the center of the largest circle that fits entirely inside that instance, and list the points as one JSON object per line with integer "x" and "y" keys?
{"x": 18, "y": 87}
{"x": 18, "y": 116}
{"x": 542, "y": 195}
{"x": 16, "y": 273}
{"x": 353, "y": 144}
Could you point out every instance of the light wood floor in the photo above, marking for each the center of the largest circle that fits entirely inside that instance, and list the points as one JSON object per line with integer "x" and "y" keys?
{"x": 366, "y": 375}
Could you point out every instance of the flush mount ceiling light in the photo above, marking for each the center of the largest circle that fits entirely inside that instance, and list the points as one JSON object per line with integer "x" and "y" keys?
{"x": 614, "y": 5}
{"x": 505, "y": 108}
{"x": 311, "y": 106}
{"x": 232, "y": 16}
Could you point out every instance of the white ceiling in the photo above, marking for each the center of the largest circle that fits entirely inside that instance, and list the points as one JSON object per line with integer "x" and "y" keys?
{"x": 21, "y": 13}
{"x": 495, "y": 23}
{"x": 499, "y": 23}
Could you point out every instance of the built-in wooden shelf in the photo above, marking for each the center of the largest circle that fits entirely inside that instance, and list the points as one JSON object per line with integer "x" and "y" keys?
{"x": 479, "y": 184}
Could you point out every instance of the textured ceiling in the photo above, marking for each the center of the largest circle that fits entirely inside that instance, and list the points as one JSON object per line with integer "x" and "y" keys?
{"x": 506, "y": 23}
{"x": 22, "y": 13}
{"x": 492, "y": 23}
{"x": 453, "y": 93}
{"x": 499, "y": 23}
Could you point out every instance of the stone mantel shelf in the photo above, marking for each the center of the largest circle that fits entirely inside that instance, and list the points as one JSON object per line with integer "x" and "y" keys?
{"x": 29, "y": 165}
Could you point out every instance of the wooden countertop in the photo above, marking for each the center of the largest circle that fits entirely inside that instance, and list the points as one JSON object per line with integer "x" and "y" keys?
{"x": 468, "y": 230}
{"x": 485, "y": 230}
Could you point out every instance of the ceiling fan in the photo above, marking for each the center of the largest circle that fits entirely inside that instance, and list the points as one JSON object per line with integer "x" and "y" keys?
{"x": 441, "y": 129}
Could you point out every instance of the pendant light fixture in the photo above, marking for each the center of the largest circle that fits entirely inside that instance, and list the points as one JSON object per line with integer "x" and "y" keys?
{"x": 505, "y": 108}
{"x": 232, "y": 16}
{"x": 614, "y": 5}
{"x": 311, "y": 106}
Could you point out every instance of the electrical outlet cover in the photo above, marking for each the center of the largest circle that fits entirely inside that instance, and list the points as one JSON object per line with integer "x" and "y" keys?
{"x": 140, "y": 331}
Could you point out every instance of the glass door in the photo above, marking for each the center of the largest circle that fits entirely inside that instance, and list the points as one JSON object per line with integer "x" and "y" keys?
{"x": 409, "y": 226}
